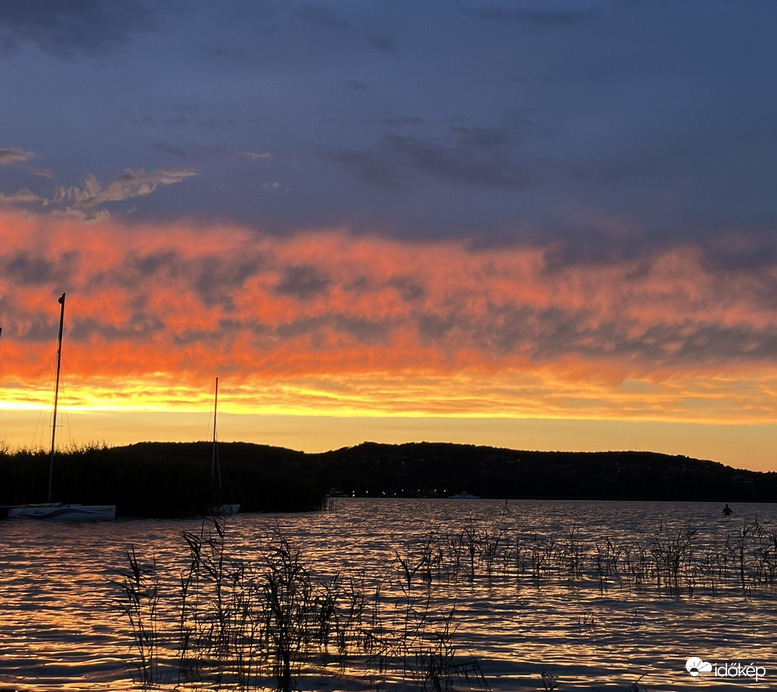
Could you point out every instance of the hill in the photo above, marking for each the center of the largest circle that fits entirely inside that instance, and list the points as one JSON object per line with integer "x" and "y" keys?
{"x": 442, "y": 469}
{"x": 172, "y": 479}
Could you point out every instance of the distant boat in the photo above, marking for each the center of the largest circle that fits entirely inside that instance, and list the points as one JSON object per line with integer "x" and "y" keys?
{"x": 464, "y": 496}
{"x": 57, "y": 511}
{"x": 218, "y": 508}
{"x": 334, "y": 492}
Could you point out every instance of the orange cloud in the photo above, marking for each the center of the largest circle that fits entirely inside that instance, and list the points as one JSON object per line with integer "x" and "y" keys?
{"x": 361, "y": 325}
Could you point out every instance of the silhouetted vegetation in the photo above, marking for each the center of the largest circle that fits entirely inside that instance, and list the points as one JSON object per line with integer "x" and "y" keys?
{"x": 243, "y": 623}
{"x": 166, "y": 479}
{"x": 670, "y": 560}
{"x": 173, "y": 479}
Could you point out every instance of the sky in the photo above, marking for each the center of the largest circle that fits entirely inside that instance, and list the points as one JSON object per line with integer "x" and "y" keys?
{"x": 533, "y": 224}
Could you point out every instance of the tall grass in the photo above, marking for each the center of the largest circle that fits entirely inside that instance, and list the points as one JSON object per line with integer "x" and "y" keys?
{"x": 230, "y": 621}
{"x": 268, "y": 621}
{"x": 139, "y": 601}
{"x": 670, "y": 561}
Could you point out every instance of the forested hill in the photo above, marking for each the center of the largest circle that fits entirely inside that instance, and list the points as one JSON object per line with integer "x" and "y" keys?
{"x": 173, "y": 479}
{"x": 429, "y": 468}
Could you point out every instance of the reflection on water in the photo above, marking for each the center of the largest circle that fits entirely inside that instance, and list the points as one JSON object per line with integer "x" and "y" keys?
{"x": 596, "y": 594}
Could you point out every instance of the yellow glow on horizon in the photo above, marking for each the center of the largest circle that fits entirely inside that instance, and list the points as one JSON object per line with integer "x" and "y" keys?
{"x": 504, "y": 395}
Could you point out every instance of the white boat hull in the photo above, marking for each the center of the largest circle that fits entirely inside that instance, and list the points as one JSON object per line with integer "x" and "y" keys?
{"x": 61, "y": 512}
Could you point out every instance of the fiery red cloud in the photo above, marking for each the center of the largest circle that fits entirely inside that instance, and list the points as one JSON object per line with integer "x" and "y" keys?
{"x": 334, "y": 323}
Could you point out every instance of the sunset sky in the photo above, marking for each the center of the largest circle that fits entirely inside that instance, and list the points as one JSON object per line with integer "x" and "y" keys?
{"x": 536, "y": 224}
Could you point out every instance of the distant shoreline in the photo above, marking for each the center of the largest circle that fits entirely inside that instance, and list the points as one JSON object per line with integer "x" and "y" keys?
{"x": 159, "y": 479}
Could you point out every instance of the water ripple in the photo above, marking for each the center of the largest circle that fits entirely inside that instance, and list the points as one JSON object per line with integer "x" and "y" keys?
{"x": 60, "y": 629}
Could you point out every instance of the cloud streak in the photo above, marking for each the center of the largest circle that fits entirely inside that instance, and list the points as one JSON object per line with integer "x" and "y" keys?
{"x": 130, "y": 184}
{"x": 8, "y": 156}
{"x": 22, "y": 197}
{"x": 88, "y": 200}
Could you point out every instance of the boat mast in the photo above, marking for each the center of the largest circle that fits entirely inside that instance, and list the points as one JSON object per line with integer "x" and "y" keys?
{"x": 61, "y": 301}
{"x": 215, "y": 468}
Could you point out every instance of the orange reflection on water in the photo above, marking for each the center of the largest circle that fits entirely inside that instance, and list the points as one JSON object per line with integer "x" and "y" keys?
{"x": 548, "y": 587}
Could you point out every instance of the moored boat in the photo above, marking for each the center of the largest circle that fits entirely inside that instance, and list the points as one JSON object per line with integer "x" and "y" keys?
{"x": 218, "y": 508}
{"x": 58, "y": 511}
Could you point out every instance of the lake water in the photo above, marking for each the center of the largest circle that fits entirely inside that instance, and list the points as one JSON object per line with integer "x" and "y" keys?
{"x": 594, "y": 595}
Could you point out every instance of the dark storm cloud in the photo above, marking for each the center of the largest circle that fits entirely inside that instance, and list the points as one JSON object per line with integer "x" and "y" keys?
{"x": 474, "y": 156}
{"x": 27, "y": 269}
{"x": 216, "y": 279}
{"x": 545, "y": 335}
{"x": 138, "y": 328}
{"x": 305, "y": 326}
{"x": 466, "y": 161}
{"x": 435, "y": 327}
{"x": 38, "y": 329}
{"x": 303, "y": 282}
{"x": 154, "y": 264}
{"x": 409, "y": 288}
{"x": 67, "y": 28}
{"x": 716, "y": 343}
{"x": 366, "y": 331}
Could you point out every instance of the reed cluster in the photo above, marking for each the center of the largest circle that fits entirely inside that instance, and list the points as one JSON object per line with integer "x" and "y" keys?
{"x": 219, "y": 619}
{"x": 263, "y": 623}
{"x": 673, "y": 561}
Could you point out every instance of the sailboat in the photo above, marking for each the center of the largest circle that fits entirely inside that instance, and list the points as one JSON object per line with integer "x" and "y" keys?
{"x": 218, "y": 509}
{"x": 57, "y": 511}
